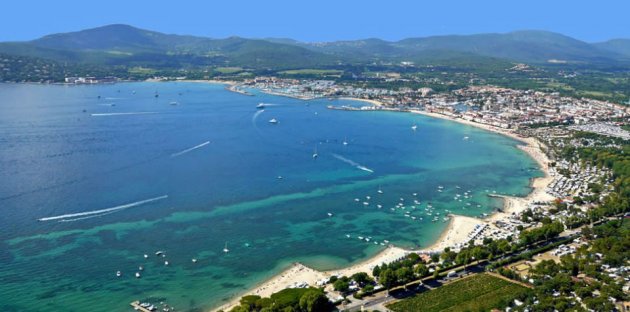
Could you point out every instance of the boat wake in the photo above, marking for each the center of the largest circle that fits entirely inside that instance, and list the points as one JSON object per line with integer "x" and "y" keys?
{"x": 122, "y": 114}
{"x": 353, "y": 163}
{"x": 190, "y": 149}
{"x": 103, "y": 211}
{"x": 87, "y": 217}
{"x": 256, "y": 116}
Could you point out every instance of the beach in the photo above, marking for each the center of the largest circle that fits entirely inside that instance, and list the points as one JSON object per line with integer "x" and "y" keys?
{"x": 456, "y": 233}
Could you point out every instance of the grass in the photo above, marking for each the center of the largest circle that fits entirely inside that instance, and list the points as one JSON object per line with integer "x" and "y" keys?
{"x": 311, "y": 72}
{"x": 229, "y": 70}
{"x": 480, "y": 292}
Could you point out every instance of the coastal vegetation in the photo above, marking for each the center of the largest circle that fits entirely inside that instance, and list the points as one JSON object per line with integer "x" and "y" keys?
{"x": 287, "y": 300}
{"x": 481, "y": 292}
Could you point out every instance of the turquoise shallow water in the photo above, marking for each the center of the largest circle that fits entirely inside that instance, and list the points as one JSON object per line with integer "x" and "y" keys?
{"x": 57, "y": 160}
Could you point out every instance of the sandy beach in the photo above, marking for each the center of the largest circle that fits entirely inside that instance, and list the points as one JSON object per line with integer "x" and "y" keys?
{"x": 456, "y": 232}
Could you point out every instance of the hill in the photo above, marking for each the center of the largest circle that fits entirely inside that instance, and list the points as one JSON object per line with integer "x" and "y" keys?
{"x": 124, "y": 45}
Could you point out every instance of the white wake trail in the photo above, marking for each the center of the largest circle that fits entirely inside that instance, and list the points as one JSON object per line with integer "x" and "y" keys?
{"x": 87, "y": 217}
{"x": 353, "y": 163}
{"x": 256, "y": 116}
{"x": 122, "y": 114}
{"x": 190, "y": 149}
{"x": 101, "y": 211}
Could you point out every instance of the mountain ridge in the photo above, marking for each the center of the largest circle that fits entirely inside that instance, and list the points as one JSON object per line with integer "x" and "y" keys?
{"x": 120, "y": 43}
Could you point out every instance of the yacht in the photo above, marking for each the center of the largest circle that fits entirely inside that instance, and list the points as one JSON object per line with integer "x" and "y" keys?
{"x": 225, "y": 249}
{"x": 118, "y": 273}
{"x": 315, "y": 155}
{"x": 194, "y": 260}
{"x": 137, "y": 274}
{"x": 414, "y": 127}
{"x": 330, "y": 214}
{"x": 273, "y": 121}
{"x": 260, "y": 106}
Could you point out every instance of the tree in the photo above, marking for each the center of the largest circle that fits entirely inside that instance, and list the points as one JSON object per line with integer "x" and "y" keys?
{"x": 314, "y": 301}
{"x": 403, "y": 275}
{"x": 421, "y": 270}
{"x": 376, "y": 271}
{"x": 341, "y": 285}
{"x": 387, "y": 278}
{"x": 361, "y": 277}
{"x": 249, "y": 301}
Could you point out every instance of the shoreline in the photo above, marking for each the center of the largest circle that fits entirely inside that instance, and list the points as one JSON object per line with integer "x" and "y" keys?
{"x": 456, "y": 231}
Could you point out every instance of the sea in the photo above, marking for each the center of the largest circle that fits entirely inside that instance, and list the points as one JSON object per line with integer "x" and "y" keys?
{"x": 98, "y": 179}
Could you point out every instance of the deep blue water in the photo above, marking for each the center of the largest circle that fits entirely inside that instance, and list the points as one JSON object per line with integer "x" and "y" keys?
{"x": 56, "y": 158}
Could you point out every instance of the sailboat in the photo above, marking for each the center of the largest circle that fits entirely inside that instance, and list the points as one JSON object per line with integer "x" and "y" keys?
{"x": 225, "y": 249}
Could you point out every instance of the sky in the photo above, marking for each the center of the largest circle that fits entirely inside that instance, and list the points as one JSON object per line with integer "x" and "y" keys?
{"x": 320, "y": 20}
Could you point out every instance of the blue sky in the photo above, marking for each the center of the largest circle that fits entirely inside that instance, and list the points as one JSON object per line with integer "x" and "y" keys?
{"x": 321, "y": 20}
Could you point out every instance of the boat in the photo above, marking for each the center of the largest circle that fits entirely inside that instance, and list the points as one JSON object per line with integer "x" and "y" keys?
{"x": 146, "y": 256}
{"x": 330, "y": 214}
{"x": 466, "y": 138}
{"x": 137, "y": 274}
{"x": 165, "y": 262}
{"x": 345, "y": 141}
{"x": 260, "y": 106}
{"x": 159, "y": 253}
{"x": 379, "y": 190}
{"x": 173, "y": 103}
{"x": 414, "y": 127}
{"x": 315, "y": 155}
{"x": 118, "y": 273}
{"x": 194, "y": 260}
{"x": 273, "y": 121}
{"x": 225, "y": 249}
{"x": 140, "y": 268}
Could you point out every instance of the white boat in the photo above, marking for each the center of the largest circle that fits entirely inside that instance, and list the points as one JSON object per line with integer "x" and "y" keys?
{"x": 137, "y": 274}
{"x": 379, "y": 191}
{"x": 414, "y": 127}
{"x": 225, "y": 249}
{"x": 140, "y": 268}
{"x": 315, "y": 155}
{"x": 165, "y": 262}
{"x": 273, "y": 121}
{"x": 194, "y": 260}
{"x": 345, "y": 141}
{"x": 348, "y": 235}
{"x": 118, "y": 273}
{"x": 146, "y": 256}
{"x": 260, "y": 105}
{"x": 330, "y": 214}
{"x": 466, "y": 138}
{"x": 174, "y": 103}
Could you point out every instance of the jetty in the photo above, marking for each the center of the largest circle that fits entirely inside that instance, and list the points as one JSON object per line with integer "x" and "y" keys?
{"x": 235, "y": 88}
